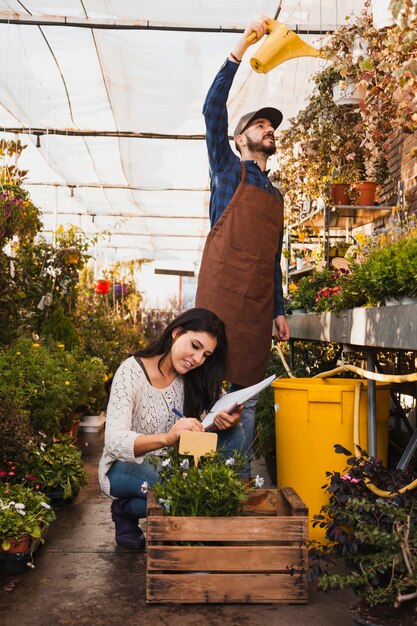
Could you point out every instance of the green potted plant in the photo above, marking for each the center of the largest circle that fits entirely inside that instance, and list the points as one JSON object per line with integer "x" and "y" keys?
{"x": 212, "y": 488}
{"x": 56, "y": 466}
{"x": 371, "y": 530}
{"x": 24, "y": 514}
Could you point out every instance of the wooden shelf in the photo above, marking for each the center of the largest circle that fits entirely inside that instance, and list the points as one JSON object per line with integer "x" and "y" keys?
{"x": 346, "y": 216}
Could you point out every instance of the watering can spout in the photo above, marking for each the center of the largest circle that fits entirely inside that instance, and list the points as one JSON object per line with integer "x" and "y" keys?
{"x": 281, "y": 45}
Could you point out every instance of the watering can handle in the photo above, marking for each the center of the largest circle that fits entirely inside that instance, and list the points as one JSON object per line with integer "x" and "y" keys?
{"x": 253, "y": 37}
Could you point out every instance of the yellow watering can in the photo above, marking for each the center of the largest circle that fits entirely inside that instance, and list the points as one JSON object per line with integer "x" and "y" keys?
{"x": 281, "y": 45}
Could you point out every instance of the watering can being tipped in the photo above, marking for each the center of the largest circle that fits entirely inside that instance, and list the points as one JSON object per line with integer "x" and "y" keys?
{"x": 281, "y": 45}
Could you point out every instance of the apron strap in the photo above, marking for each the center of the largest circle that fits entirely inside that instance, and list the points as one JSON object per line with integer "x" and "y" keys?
{"x": 243, "y": 171}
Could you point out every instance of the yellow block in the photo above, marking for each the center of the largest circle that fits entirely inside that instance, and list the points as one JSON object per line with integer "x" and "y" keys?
{"x": 312, "y": 415}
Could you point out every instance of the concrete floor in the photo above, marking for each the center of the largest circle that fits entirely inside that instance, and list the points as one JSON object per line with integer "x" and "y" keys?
{"x": 82, "y": 578}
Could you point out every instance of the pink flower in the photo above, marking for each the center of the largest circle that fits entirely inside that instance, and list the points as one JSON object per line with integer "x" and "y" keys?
{"x": 350, "y": 479}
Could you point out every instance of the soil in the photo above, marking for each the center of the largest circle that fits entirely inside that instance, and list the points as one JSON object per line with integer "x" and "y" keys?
{"x": 405, "y": 615}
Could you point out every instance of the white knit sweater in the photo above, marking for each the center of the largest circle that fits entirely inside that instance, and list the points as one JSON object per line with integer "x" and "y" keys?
{"x": 135, "y": 408}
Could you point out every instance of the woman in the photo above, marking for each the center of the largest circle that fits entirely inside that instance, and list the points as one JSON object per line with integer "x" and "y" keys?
{"x": 183, "y": 370}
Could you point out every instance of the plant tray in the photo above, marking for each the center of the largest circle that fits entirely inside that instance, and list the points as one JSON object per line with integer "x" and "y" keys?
{"x": 56, "y": 495}
{"x": 92, "y": 423}
{"x": 17, "y": 563}
{"x": 258, "y": 557}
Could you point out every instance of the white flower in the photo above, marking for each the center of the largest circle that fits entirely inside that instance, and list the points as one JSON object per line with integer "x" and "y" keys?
{"x": 144, "y": 487}
{"x": 21, "y": 512}
{"x": 185, "y": 464}
{"x": 19, "y": 505}
{"x": 166, "y": 463}
{"x": 259, "y": 481}
{"x": 45, "y": 505}
{"x": 230, "y": 461}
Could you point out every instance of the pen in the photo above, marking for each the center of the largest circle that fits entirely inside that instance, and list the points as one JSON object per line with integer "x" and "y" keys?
{"x": 177, "y": 412}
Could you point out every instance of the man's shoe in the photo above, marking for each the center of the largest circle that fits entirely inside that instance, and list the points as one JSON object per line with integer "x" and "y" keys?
{"x": 128, "y": 533}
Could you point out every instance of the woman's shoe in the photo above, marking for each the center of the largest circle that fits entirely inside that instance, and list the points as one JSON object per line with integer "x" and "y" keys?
{"x": 128, "y": 533}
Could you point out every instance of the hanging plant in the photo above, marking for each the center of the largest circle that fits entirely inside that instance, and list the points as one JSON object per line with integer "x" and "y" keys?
{"x": 19, "y": 217}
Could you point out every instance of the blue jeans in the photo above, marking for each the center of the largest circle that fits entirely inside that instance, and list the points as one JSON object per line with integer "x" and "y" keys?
{"x": 248, "y": 423}
{"x": 126, "y": 479}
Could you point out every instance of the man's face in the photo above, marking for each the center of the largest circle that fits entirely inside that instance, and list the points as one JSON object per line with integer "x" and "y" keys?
{"x": 260, "y": 137}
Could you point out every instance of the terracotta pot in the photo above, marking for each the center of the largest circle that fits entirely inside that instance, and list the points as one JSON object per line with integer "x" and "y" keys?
{"x": 365, "y": 190}
{"x": 339, "y": 193}
{"x": 17, "y": 545}
{"x": 102, "y": 286}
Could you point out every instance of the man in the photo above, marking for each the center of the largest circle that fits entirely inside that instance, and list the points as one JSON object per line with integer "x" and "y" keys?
{"x": 240, "y": 276}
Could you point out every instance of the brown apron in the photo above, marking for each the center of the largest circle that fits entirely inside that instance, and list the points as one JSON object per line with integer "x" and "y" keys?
{"x": 236, "y": 279}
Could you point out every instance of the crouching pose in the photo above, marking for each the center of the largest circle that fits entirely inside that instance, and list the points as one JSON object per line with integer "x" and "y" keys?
{"x": 181, "y": 370}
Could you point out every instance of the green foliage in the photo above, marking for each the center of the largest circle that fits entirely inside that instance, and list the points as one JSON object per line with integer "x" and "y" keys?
{"x": 211, "y": 489}
{"x": 18, "y": 215}
{"x": 16, "y": 433}
{"x": 22, "y": 512}
{"x": 375, "y": 535}
{"x": 49, "y": 383}
{"x": 60, "y": 327}
{"x": 57, "y": 463}
{"x": 264, "y": 443}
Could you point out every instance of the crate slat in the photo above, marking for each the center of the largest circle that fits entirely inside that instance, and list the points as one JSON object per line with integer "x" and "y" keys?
{"x": 225, "y": 588}
{"x": 216, "y": 529}
{"x": 225, "y": 558}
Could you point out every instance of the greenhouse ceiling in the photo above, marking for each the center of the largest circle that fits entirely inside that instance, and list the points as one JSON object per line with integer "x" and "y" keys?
{"x": 107, "y": 95}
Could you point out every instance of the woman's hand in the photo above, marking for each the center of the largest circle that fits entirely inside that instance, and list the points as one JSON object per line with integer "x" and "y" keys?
{"x": 224, "y": 420}
{"x": 184, "y": 423}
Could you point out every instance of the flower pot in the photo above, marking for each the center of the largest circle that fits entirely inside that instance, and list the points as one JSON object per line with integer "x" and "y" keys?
{"x": 381, "y": 14}
{"x": 408, "y": 300}
{"x": 391, "y": 301}
{"x": 300, "y": 264}
{"x": 384, "y": 615}
{"x": 365, "y": 191}
{"x": 102, "y": 286}
{"x": 120, "y": 289}
{"x": 339, "y": 193}
{"x": 17, "y": 546}
{"x": 348, "y": 91}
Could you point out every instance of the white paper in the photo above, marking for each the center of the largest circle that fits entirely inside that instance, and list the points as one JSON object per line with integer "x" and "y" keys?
{"x": 230, "y": 400}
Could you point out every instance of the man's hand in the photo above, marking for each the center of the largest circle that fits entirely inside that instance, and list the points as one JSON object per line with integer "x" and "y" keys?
{"x": 259, "y": 27}
{"x": 282, "y": 328}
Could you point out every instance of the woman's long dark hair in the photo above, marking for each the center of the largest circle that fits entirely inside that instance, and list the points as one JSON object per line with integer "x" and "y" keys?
{"x": 202, "y": 385}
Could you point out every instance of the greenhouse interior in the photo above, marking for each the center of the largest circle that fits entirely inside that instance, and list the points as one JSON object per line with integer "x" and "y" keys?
{"x": 208, "y": 328}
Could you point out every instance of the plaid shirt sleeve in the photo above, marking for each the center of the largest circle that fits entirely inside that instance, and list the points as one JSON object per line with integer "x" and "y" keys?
{"x": 216, "y": 118}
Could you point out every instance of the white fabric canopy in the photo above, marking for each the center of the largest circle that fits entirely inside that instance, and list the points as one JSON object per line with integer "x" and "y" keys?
{"x": 151, "y": 193}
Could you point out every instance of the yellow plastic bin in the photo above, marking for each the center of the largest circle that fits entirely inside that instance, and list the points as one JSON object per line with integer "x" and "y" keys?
{"x": 311, "y": 416}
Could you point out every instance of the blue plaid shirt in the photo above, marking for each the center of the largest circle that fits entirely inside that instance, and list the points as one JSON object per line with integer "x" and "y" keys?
{"x": 225, "y": 168}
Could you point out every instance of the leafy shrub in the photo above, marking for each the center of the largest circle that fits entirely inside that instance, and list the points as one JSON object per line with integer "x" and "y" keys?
{"x": 16, "y": 433}
{"x": 371, "y": 522}
{"x": 56, "y": 463}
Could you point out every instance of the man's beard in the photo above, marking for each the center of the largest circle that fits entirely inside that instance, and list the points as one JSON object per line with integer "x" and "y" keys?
{"x": 259, "y": 146}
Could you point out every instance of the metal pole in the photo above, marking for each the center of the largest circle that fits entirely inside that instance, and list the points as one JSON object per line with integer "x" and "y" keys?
{"x": 371, "y": 361}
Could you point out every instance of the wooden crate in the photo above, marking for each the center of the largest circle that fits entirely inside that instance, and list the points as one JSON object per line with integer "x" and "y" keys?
{"x": 259, "y": 557}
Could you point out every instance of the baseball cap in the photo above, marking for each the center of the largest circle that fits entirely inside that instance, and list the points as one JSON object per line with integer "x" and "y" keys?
{"x": 269, "y": 113}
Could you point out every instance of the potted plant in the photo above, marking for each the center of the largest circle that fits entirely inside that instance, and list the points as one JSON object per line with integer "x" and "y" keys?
{"x": 24, "y": 514}
{"x": 371, "y": 529}
{"x": 56, "y": 466}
